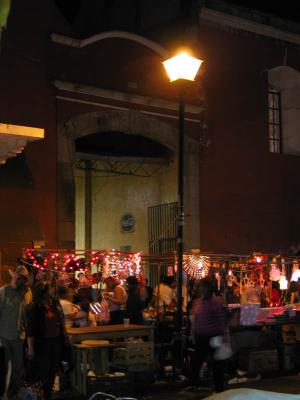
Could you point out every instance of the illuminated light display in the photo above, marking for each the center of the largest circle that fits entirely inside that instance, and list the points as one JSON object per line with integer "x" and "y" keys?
{"x": 112, "y": 263}
{"x": 121, "y": 265}
{"x": 196, "y": 266}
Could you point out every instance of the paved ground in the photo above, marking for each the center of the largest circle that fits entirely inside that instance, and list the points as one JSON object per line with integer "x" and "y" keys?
{"x": 286, "y": 384}
{"x": 174, "y": 390}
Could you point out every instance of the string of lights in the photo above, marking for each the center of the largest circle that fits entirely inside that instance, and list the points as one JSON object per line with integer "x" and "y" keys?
{"x": 196, "y": 266}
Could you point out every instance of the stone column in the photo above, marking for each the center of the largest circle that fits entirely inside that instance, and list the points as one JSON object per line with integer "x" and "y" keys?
{"x": 65, "y": 188}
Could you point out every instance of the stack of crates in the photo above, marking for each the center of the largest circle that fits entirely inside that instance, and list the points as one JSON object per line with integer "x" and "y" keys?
{"x": 287, "y": 357}
{"x": 134, "y": 357}
{"x": 259, "y": 361}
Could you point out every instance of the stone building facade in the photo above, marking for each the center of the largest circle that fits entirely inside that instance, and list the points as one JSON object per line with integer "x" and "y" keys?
{"x": 101, "y": 80}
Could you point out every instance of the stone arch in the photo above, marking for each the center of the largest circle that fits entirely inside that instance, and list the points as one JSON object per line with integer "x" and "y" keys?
{"x": 130, "y": 122}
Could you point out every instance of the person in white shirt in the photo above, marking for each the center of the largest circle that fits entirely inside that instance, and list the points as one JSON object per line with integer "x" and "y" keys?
{"x": 116, "y": 297}
{"x": 71, "y": 311}
{"x": 166, "y": 292}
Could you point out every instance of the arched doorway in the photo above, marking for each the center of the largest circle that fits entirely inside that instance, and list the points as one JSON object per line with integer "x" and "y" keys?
{"x": 129, "y": 164}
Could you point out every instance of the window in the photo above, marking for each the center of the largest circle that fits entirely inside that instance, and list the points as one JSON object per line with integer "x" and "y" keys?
{"x": 274, "y": 121}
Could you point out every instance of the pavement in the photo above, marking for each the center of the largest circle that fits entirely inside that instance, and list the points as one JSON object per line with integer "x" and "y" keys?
{"x": 170, "y": 390}
{"x": 284, "y": 384}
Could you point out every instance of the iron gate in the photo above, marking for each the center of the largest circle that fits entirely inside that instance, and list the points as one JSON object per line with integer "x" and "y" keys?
{"x": 162, "y": 232}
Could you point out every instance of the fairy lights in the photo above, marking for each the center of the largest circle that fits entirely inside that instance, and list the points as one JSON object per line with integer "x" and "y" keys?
{"x": 121, "y": 265}
{"x": 196, "y": 266}
{"x": 261, "y": 267}
{"x": 114, "y": 263}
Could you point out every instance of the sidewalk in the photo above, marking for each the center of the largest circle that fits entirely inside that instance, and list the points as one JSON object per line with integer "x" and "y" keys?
{"x": 286, "y": 384}
{"x": 173, "y": 390}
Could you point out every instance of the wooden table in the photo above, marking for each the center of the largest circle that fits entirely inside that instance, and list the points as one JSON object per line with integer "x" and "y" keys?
{"x": 111, "y": 332}
{"x": 114, "y": 333}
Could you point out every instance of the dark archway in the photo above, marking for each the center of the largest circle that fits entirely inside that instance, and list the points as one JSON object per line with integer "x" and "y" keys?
{"x": 118, "y": 144}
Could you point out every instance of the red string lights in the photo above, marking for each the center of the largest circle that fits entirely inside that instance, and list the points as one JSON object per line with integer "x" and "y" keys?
{"x": 113, "y": 263}
{"x": 121, "y": 265}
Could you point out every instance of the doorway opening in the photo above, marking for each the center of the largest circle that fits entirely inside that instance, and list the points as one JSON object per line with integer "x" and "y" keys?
{"x": 119, "y": 179}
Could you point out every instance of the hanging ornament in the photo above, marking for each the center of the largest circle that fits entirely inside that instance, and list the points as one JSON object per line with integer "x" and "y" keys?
{"x": 231, "y": 278}
{"x": 283, "y": 282}
{"x": 275, "y": 271}
{"x": 258, "y": 258}
{"x": 245, "y": 280}
{"x": 261, "y": 279}
{"x": 218, "y": 279}
{"x": 196, "y": 266}
{"x": 295, "y": 271}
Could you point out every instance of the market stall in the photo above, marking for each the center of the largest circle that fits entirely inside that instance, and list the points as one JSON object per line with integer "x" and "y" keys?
{"x": 260, "y": 292}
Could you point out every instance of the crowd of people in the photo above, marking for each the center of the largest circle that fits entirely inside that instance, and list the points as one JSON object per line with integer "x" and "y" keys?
{"x": 35, "y": 317}
{"x": 267, "y": 294}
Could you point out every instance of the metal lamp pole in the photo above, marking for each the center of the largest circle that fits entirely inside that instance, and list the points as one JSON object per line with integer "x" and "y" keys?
{"x": 180, "y": 222}
{"x": 181, "y": 68}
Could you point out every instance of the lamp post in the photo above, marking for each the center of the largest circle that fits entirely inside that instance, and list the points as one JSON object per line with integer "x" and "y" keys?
{"x": 181, "y": 68}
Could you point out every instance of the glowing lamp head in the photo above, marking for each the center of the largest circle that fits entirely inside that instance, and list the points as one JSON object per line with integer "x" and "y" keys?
{"x": 182, "y": 66}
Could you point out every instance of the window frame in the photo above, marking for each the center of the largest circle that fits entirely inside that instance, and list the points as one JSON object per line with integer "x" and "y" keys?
{"x": 274, "y": 122}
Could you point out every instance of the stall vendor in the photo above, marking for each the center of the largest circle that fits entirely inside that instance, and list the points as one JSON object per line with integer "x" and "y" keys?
{"x": 251, "y": 294}
{"x": 116, "y": 296}
{"x": 165, "y": 292}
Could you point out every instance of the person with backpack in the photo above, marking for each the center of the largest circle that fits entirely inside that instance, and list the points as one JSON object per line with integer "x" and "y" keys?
{"x": 13, "y": 298}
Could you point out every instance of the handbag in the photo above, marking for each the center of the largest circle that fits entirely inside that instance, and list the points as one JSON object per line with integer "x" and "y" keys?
{"x": 223, "y": 352}
{"x": 30, "y": 391}
{"x": 222, "y": 347}
{"x": 30, "y": 388}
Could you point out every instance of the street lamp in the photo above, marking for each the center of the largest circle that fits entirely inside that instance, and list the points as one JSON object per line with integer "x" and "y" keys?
{"x": 182, "y": 67}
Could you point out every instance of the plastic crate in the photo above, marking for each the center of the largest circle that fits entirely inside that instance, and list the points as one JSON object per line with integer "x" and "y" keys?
{"x": 259, "y": 360}
{"x": 115, "y": 386}
{"x": 287, "y": 357}
{"x": 134, "y": 356}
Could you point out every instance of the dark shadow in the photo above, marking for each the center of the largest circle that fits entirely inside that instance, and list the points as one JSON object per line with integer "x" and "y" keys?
{"x": 16, "y": 173}
{"x": 118, "y": 144}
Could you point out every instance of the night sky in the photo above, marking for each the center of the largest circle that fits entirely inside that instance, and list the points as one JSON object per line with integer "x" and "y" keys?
{"x": 287, "y": 9}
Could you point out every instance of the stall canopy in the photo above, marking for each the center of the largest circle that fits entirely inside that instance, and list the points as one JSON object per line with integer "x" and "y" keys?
{"x": 13, "y": 139}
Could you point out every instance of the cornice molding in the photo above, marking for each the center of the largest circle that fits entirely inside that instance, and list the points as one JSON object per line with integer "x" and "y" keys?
{"x": 124, "y": 97}
{"x": 234, "y": 22}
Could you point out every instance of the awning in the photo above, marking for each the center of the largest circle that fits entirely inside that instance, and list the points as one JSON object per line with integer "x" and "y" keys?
{"x": 13, "y": 139}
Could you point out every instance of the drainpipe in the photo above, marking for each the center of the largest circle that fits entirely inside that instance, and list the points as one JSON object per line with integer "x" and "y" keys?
{"x": 88, "y": 205}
